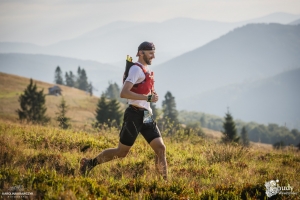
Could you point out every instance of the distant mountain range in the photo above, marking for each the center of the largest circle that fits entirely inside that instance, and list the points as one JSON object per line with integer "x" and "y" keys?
{"x": 245, "y": 59}
{"x": 42, "y": 67}
{"x": 270, "y": 100}
{"x": 296, "y": 22}
{"x": 248, "y": 53}
{"x": 111, "y": 43}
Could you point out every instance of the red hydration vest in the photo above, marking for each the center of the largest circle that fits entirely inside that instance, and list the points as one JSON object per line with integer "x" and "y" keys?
{"x": 147, "y": 85}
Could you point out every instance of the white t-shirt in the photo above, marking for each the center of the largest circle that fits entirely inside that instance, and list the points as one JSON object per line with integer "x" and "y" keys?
{"x": 136, "y": 75}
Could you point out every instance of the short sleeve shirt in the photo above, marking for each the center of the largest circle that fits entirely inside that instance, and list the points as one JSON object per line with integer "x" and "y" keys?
{"x": 136, "y": 75}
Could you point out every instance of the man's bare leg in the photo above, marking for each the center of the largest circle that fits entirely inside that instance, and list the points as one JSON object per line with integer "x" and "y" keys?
{"x": 160, "y": 160}
{"x": 107, "y": 155}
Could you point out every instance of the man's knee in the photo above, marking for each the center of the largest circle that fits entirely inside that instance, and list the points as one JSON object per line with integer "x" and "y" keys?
{"x": 160, "y": 150}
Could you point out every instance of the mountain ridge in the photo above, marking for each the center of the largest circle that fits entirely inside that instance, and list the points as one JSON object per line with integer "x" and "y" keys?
{"x": 41, "y": 67}
{"x": 250, "y": 52}
{"x": 270, "y": 100}
{"x": 121, "y": 38}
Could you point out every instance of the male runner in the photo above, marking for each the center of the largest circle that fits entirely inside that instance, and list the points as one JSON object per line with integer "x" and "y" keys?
{"x": 138, "y": 88}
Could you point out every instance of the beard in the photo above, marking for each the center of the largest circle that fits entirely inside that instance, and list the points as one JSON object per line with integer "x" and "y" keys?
{"x": 147, "y": 60}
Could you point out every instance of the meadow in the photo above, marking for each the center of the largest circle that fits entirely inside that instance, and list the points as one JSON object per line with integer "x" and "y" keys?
{"x": 81, "y": 106}
{"x": 44, "y": 160}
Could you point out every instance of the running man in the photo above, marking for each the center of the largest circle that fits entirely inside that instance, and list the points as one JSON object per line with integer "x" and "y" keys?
{"x": 138, "y": 88}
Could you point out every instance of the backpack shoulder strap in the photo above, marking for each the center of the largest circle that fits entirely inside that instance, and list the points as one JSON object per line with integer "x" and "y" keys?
{"x": 141, "y": 66}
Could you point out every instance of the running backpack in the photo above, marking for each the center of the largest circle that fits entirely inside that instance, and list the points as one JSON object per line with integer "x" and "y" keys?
{"x": 144, "y": 87}
{"x": 129, "y": 64}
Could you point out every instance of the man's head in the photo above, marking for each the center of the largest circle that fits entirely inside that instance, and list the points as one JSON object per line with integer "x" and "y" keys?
{"x": 146, "y": 52}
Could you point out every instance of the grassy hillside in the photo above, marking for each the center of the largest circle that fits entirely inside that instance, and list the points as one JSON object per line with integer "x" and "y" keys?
{"x": 81, "y": 105}
{"x": 45, "y": 161}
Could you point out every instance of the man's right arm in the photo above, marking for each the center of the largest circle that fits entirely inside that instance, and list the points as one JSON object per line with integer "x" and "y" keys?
{"x": 127, "y": 94}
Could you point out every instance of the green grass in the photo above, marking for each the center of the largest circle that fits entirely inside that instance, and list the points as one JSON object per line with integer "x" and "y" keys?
{"x": 45, "y": 161}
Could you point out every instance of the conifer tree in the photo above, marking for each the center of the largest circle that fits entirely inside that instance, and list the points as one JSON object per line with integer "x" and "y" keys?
{"x": 58, "y": 76}
{"x": 230, "y": 133}
{"x": 77, "y": 82}
{"x": 244, "y": 137}
{"x": 32, "y": 103}
{"x": 169, "y": 109}
{"x": 78, "y": 71}
{"x": 83, "y": 83}
{"x": 90, "y": 89}
{"x": 113, "y": 91}
{"x": 69, "y": 77}
{"x": 82, "y": 80}
{"x": 154, "y": 110}
{"x": 108, "y": 112}
{"x": 64, "y": 122}
{"x": 102, "y": 113}
{"x": 114, "y": 112}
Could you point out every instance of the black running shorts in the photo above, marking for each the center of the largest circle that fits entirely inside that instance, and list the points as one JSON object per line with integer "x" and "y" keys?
{"x": 133, "y": 125}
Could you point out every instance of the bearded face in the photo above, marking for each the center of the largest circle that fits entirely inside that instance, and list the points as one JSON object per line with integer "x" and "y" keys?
{"x": 148, "y": 56}
{"x": 147, "y": 60}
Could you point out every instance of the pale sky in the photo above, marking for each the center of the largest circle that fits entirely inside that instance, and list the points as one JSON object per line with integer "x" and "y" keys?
{"x": 49, "y": 21}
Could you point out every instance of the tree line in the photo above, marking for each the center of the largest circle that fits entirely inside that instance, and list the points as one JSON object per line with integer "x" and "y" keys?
{"x": 108, "y": 109}
{"x": 33, "y": 109}
{"x": 269, "y": 134}
{"x": 108, "y": 112}
{"x": 79, "y": 81}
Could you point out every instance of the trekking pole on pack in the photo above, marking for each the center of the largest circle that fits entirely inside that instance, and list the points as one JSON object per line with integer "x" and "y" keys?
{"x": 129, "y": 63}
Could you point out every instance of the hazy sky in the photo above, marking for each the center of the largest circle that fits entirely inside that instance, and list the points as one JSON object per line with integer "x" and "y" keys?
{"x": 48, "y": 21}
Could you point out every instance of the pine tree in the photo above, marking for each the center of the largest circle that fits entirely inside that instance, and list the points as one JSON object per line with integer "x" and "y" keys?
{"x": 113, "y": 91}
{"x": 108, "y": 113}
{"x": 82, "y": 80}
{"x": 83, "y": 84}
{"x": 32, "y": 105}
{"x": 169, "y": 109}
{"x": 78, "y": 71}
{"x": 154, "y": 110}
{"x": 90, "y": 89}
{"x": 77, "y": 82}
{"x": 114, "y": 113}
{"x": 67, "y": 78}
{"x": 244, "y": 137}
{"x": 70, "y": 79}
{"x": 64, "y": 122}
{"x": 230, "y": 133}
{"x": 58, "y": 76}
{"x": 102, "y": 113}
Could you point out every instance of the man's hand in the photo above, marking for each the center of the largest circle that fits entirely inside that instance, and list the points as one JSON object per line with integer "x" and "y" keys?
{"x": 154, "y": 97}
